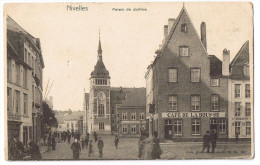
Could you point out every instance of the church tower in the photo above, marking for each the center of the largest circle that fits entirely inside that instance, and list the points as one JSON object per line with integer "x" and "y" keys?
{"x": 99, "y": 110}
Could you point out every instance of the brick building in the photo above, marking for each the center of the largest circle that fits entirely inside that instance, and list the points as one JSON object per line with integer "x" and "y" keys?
{"x": 104, "y": 104}
{"x": 186, "y": 88}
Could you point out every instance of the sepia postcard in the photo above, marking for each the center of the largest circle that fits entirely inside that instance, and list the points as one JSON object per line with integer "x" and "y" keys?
{"x": 128, "y": 81}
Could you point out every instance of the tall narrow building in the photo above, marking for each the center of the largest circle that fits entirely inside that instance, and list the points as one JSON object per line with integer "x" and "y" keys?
{"x": 99, "y": 100}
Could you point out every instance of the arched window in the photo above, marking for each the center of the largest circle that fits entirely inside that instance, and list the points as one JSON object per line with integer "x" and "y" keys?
{"x": 101, "y": 109}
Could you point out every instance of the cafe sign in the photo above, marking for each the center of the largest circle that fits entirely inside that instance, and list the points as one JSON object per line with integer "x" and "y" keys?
{"x": 193, "y": 115}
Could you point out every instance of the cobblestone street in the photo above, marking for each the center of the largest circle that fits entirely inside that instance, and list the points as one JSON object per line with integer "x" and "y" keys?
{"x": 128, "y": 149}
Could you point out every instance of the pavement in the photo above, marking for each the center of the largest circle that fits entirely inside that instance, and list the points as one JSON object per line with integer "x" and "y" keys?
{"x": 128, "y": 149}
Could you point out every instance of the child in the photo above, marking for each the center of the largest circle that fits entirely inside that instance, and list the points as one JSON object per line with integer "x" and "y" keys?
{"x": 90, "y": 151}
{"x": 82, "y": 143}
{"x": 116, "y": 141}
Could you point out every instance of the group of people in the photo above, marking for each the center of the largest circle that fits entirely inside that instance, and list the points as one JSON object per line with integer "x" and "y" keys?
{"x": 17, "y": 151}
{"x": 88, "y": 144}
{"x": 210, "y": 139}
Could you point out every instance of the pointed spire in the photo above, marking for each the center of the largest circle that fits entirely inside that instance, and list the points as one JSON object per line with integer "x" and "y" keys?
{"x": 99, "y": 48}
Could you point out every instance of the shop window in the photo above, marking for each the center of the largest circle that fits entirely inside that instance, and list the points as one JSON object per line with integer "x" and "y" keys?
{"x": 237, "y": 128}
{"x": 124, "y": 129}
{"x": 101, "y": 125}
{"x": 133, "y": 128}
{"x": 248, "y": 128}
{"x": 177, "y": 127}
{"x": 195, "y": 126}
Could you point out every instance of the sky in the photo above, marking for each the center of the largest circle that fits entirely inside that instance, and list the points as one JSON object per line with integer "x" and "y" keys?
{"x": 69, "y": 39}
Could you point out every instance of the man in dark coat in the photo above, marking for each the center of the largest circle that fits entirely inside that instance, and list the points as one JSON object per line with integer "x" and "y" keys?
{"x": 76, "y": 149}
{"x": 69, "y": 136}
{"x": 206, "y": 141}
{"x": 116, "y": 141}
{"x": 16, "y": 149}
{"x": 53, "y": 143}
{"x": 156, "y": 150}
{"x": 213, "y": 140}
{"x": 34, "y": 151}
{"x": 100, "y": 147}
{"x": 95, "y": 136}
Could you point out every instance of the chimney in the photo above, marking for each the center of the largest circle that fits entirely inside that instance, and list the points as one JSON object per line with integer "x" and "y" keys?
{"x": 203, "y": 34}
{"x": 170, "y": 23}
{"x": 225, "y": 62}
{"x": 165, "y": 31}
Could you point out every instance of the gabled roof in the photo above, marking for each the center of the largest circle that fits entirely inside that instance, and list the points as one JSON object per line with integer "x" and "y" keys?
{"x": 242, "y": 56}
{"x": 239, "y": 61}
{"x": 172, "y": 30}
{"x": 14, "y": 34}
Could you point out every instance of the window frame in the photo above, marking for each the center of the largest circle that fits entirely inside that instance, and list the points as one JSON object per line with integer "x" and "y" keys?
{"x": 173, "y": 68}
{"x": 247, "y": 91}
{"x": 133, "y": 126}
{"x": 211, "y": 103}
{"x": 236, "y": 90}
{"x": 221, "y": 125}
{"x": 195, "y": 95}
{"x": 133, "y": 115}
{"x": 248, "y": 109}
{"x": 25, "y": 102}
{"x": 176, "y": 125}
{"x": 248, "y": 128}
{"x": 101, "y": 108}
{"x": 211, "y": 84}
{"x": 193, "y": 68}
{"x": 124, "y": 128}
{"x": 237, "y": 109}
{"x": 199, "y": 121}
{"x": 180, "y": 50}
{"x": 124, "y": 115}
{"x": 184, "y": 28}
{"x": 169, "y": 106}
{"x": 101, "y": 125}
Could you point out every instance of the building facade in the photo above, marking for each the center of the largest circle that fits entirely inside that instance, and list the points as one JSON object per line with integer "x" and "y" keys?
{"x": 186, "y": 88}
{"x": 104, "y": 104}
{"x": 24, "y": 83}
{"x": 240, "y": 97}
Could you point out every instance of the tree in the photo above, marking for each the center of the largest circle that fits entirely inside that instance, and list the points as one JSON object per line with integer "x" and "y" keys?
{"x": 48, "y": 117}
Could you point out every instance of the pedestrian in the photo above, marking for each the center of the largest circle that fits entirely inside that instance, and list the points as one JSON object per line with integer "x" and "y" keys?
{"x": 237, "y": 133}
{"x": 53, "y": 143}
{"x": 90, "y": 150}
{"x": 87, "y": 140}
{"x": 116, "y": 141}
{"x": 34, "y": 151}
{"x": 16, "y": 149}
{"x": 206, "y": 141}
{"x": 82, "y": 143}
{"x": 76, "y": 149}
{"x": 213, "y": 140}
{"x": 100, "y": 147}
{"x": 156, "y": 149}
{"x": 95, "y": 136}
{"x": 69, "y": 136}
{"x": 141, "y": 146}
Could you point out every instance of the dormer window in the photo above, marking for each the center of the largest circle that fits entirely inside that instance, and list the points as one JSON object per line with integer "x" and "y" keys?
{"x": 183, "y": 28}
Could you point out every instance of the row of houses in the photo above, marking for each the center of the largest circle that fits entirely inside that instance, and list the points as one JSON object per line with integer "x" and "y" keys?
{"x": 188, "y": 91}
{"x": 24, "y": 83}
